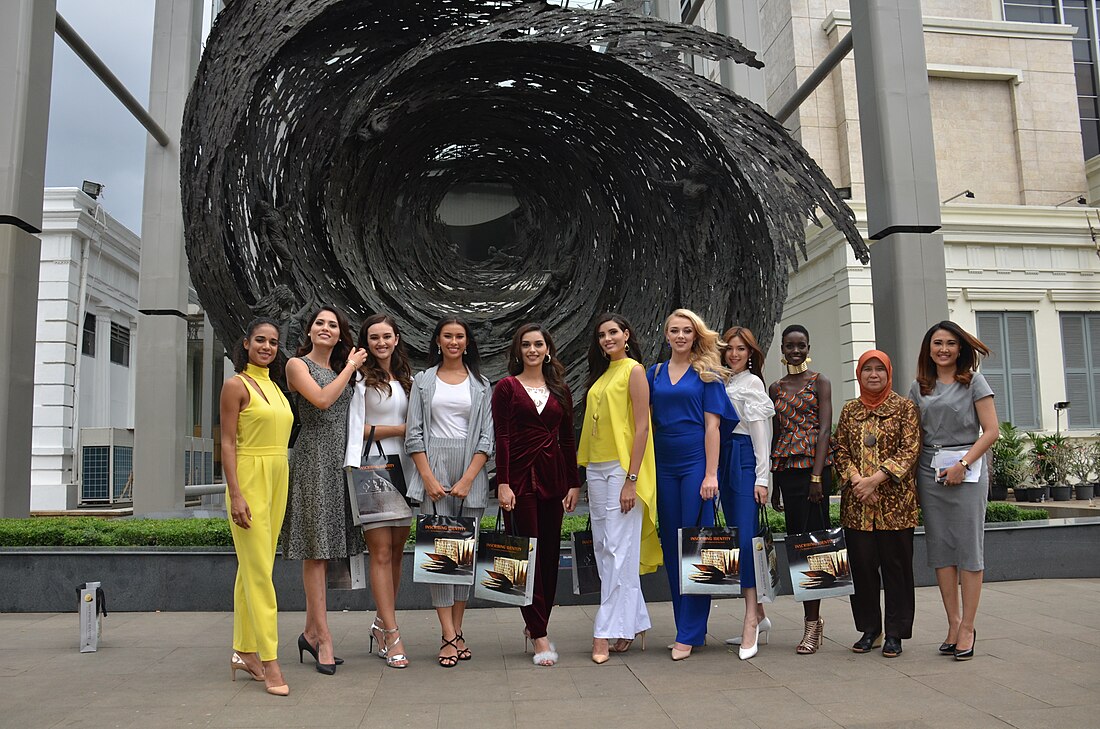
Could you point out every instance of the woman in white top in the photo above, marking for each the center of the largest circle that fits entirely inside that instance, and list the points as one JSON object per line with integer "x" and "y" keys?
{"x": 743, "y": 474}
{"x": 449, "y": 436}
{"x": 381, "y": 402}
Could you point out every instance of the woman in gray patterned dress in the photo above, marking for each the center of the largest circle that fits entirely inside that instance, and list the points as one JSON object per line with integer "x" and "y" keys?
{"x": 318, "y": 524}
{"x": 958, "y": 425}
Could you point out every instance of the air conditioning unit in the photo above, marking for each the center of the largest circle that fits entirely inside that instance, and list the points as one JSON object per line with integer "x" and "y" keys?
{"x": 106, "y": 465}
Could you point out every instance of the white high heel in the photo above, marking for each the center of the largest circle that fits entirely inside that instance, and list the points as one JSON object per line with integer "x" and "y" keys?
{"x": 763, "y": 628}
{"x": 746, "y": 653}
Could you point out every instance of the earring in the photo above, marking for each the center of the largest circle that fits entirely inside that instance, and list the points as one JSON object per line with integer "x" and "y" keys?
{"x": 547, "y": 358}
{"x": 464, "y": 353}
{"x": 626, "y": 347}
{"x": 438, "y": 349}
{"x": 750, "y": 363}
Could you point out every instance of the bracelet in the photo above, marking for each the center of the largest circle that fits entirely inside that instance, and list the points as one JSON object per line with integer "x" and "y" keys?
{"x": 815, "y": 479}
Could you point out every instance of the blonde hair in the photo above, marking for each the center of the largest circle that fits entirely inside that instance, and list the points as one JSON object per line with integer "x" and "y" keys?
{"x": 706, "y": 358}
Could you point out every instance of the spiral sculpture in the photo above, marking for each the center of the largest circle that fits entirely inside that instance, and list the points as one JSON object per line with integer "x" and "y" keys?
{"x": 324, "y": 142}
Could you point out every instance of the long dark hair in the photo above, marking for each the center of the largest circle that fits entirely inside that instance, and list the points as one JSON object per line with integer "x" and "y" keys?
{"x": 340, "y": 350}
{"x": 471, "y": 358}
{"x": 239, "y": 354}
{"x": 756, "y": 355}
{"x": 597, "y": 360}
{"x": 372, "y": 373}
{"x": 971, "y": 350}
{"x": 553, "y": 371}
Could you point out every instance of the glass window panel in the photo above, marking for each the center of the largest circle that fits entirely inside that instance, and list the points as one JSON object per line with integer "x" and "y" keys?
{"x": 1088, "y": 108}
{"x": 1082, "y": 50}
{"x": 87, "y": 339}
{"x": 1086, "y": 84}
{"x": 1080, "y": 20}
{"x": 1090, "y": 137}
{"x": 1030, "y": 14}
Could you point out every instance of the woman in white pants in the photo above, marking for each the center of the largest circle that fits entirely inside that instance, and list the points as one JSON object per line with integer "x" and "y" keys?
{"x": 616, "y": 448}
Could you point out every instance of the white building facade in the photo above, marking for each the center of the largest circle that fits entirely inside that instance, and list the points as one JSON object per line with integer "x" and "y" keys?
{"x": 82, "y": 453}
{"x": 87, "y": 314}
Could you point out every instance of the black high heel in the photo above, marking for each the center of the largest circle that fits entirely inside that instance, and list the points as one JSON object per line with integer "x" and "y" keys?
{"x": 326, "y": 668}
{"x": 967, "y": 654}
{"x": 948, "y": 649}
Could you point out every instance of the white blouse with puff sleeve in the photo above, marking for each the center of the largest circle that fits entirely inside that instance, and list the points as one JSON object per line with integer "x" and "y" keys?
{"x": 750, "y": 398}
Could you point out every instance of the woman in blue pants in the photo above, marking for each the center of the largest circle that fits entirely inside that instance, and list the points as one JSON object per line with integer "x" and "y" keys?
{"x": 744, "y": 470}
{"x": 691, "y": 417}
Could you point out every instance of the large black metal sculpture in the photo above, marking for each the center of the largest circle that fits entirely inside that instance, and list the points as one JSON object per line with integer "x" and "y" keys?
{"x": 322, "y": 136}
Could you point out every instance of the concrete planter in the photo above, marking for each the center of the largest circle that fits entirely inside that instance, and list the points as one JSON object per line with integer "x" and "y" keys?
{"x": 1061, "y": 492}
{"x": 43, "y": 579}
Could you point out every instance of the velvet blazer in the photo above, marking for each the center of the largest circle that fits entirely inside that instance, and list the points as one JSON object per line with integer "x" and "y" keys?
{"x": 536, "y": 453}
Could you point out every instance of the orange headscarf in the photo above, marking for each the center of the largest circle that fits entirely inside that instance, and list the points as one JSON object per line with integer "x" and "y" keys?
{"x": 873, "y": 400}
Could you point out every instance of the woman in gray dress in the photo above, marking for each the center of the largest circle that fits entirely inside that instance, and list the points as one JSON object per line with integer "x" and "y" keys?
{"x": 958, "y": 425}
{"x": 449, "y": 436}
{"x": 318, "y": 524}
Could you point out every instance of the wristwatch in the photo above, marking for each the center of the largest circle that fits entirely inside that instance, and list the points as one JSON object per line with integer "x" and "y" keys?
{"x": 631, "y": 477}
{"x": 964, "y": 464}
{"x": 815, "y": 479}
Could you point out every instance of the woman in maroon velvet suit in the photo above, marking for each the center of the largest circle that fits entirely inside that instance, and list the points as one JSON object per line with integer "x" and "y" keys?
{"x": 536, "y": 456}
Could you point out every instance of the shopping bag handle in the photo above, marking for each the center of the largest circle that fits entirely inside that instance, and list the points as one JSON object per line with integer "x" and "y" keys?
{"x": 461, "y": 505}
{"x": 371, "y": 441}
{"x": 714, "y": 504}
{"x": 501, "y": 522}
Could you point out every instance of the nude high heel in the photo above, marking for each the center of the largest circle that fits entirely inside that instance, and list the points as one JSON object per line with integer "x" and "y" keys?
{"x": 236, "y": 663}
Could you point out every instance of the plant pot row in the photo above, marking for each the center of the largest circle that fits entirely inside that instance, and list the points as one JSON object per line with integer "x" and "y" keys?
{"x": 1058, "y": 492}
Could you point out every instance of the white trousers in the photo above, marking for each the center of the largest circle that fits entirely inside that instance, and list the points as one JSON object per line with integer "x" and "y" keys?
{"x": 617, "y": 542}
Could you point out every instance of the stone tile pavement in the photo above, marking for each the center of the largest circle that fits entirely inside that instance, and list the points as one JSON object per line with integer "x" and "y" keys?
{"x": 1038, "y": 666}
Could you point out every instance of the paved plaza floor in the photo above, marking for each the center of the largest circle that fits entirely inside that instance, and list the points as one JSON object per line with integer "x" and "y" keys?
{"x": 1037, "y": 665}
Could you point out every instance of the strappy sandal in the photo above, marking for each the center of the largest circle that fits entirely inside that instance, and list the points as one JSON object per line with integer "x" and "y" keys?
{"x": 464, "y": 653}
{"x": 811, "y": 638}
{"x": 448, "y": 661}
{"x": 393, "y": 660}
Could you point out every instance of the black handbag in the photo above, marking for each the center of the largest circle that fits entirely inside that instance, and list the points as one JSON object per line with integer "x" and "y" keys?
{"x": 710, "y": 557}
{"x": 377, "y": 487}
{"x": 586, "y": 574}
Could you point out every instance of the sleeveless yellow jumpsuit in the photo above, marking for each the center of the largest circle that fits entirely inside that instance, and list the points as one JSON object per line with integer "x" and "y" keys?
{"x": 263, "y": 431}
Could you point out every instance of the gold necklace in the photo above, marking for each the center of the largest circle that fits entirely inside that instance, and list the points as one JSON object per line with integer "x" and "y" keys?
{"x": 798, "y": 369}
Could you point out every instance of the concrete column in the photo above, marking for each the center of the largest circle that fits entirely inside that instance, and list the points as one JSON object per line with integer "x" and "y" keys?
{"x": 899, "y": 162}
{"x": 741, "y": 20}
{"x": 160, "y": 355}
{"x": 206, "y": 416}
{"x": 26, "y": 70}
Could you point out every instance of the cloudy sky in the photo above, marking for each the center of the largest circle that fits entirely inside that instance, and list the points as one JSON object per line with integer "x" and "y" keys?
{"x": 92, "y": 136}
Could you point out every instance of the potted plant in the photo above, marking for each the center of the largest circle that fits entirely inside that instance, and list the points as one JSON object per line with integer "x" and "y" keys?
{"x": 1042, "y": 460}
{"x": 1060, "y": 456}
{"x": 1008, "y": 467}
{"x": 1086, "y": 460}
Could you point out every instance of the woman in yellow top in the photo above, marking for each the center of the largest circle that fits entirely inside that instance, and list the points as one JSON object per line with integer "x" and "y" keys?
{"x": 256, "y": 421}
{"x": 616, "y": 448}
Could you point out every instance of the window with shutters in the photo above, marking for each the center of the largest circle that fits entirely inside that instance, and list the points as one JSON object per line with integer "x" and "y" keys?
{"x": 1010, "y": 369}
{"x": 120, "y": 344}
{"x": 1081, "y": 355}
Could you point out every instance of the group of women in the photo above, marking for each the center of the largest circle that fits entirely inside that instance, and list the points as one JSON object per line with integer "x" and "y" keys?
{"x": 656, "y": 445}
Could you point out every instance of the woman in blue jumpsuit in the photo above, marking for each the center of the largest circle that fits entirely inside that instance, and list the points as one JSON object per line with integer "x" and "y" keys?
{"x": 691, "y": 417}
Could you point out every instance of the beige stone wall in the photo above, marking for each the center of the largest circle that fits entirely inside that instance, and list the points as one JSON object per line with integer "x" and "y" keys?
{"x": 1003, "y": 97}
{"x": 974, "y": 130}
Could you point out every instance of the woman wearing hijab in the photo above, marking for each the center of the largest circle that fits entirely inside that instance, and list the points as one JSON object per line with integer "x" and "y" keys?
{"x": 878, "y": 443}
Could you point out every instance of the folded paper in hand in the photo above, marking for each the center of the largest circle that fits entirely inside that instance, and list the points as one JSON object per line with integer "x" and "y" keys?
{"x": 945, "y": 458}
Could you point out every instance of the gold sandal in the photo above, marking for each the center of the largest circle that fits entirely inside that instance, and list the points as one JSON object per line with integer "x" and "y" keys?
{"x": 811, "y": 638}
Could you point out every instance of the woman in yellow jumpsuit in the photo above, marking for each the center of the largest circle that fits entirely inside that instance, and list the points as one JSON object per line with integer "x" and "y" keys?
{"x": 256, "y": 421}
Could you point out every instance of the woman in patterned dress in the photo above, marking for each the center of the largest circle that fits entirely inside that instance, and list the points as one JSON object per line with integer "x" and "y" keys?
{"x": 800, "y": 454}
{"x": 877, "y": 446}
{"x": 318, "y": 525}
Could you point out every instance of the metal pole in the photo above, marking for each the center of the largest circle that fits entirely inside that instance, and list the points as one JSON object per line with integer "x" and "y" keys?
{"x": 85, "y": 53}
{"x": 819, "y": 74}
